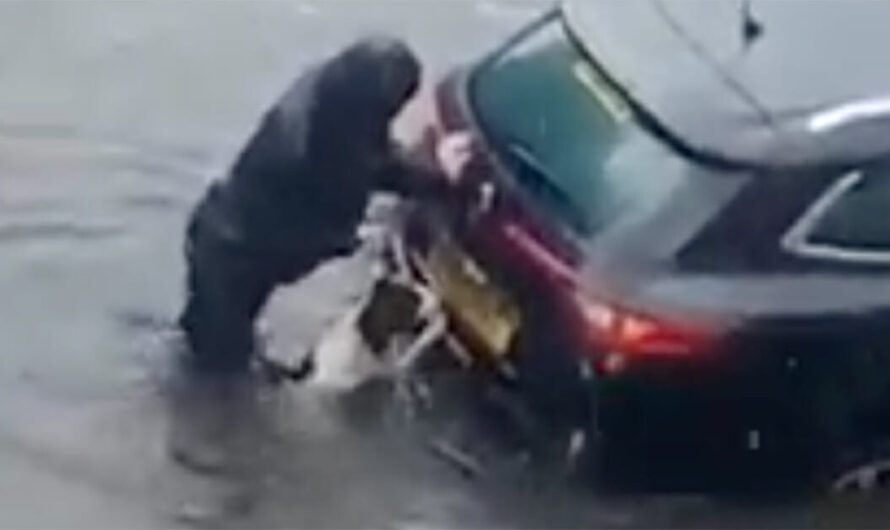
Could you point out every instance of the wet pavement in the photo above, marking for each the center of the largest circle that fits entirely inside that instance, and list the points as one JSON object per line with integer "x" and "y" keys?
{"x": 113, "y": 116}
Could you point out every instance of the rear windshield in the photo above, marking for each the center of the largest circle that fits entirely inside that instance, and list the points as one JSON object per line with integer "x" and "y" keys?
{"x": 565, "y": 134}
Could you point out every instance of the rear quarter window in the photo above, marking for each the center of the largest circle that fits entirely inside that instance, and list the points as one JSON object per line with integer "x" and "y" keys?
{"x": 849, "y": 222}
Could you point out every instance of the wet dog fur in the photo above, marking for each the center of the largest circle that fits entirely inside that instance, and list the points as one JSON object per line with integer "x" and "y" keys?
{"x": 379, "y": 338}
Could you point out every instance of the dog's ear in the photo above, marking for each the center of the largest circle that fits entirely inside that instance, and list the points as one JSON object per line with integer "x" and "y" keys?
{"x": 406, "y": 309}
{"x": 400, "y": 300}
{"x": 391, "y": 308}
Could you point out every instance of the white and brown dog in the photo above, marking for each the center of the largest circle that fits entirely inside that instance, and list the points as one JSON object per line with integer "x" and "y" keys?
{"x": 380, "y": 337}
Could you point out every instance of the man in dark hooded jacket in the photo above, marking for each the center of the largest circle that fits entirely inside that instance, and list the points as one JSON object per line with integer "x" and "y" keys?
{"x": 296, "y": 194}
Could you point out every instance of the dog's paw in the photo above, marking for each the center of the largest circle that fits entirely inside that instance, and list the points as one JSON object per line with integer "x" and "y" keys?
{"x": 277, "y": 372}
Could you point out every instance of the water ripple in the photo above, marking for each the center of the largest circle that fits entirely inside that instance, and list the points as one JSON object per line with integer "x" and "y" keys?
{"x": 58, "y": 230}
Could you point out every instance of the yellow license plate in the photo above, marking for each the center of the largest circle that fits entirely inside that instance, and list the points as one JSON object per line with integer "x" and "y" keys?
{"x": 471, "y": 298}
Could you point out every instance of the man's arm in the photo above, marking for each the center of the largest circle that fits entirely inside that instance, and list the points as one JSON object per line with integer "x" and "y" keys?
{"x": 412, "y": 180}
{"x": 410, "y": 176}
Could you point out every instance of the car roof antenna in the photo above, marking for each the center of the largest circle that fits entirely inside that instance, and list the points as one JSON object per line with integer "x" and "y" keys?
{"x": 752, "y": 29}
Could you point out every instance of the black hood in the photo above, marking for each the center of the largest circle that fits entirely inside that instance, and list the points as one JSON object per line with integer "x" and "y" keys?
{"x": 307, "y": 171}
{"x": 369, "y": 80}
{"x": 354, "y": 97}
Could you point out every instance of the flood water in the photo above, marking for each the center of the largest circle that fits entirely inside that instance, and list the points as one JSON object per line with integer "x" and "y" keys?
{"x": 113, "y": 116}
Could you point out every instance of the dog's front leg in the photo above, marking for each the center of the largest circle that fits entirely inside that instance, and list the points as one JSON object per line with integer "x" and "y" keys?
{"x": 432, "y": 332}
{"x": 409, "y": 391}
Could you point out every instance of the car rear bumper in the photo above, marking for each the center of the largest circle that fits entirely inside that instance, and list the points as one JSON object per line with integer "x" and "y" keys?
{"x": 769, "y": 407}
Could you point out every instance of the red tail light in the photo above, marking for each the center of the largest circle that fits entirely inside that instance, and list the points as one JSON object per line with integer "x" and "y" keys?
{"x": 616, "y": 329}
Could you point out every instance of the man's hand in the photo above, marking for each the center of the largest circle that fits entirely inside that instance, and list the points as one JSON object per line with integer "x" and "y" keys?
{"x": 454, "y": 152}
{"x": 434, "y": 168}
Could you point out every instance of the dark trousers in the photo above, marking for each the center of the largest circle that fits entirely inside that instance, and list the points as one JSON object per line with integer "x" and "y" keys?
{"x": 227, "y": 287}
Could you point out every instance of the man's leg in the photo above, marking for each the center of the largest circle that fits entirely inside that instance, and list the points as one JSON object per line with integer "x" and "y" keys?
{"x": 214, "y": 419}
{"x": 227, "y": 288}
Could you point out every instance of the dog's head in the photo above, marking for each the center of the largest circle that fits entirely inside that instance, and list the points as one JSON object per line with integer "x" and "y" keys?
{"x": 392, "y": 308}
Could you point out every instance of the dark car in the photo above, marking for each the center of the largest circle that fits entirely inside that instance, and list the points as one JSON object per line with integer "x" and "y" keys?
{"x": 684, "y": 246}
